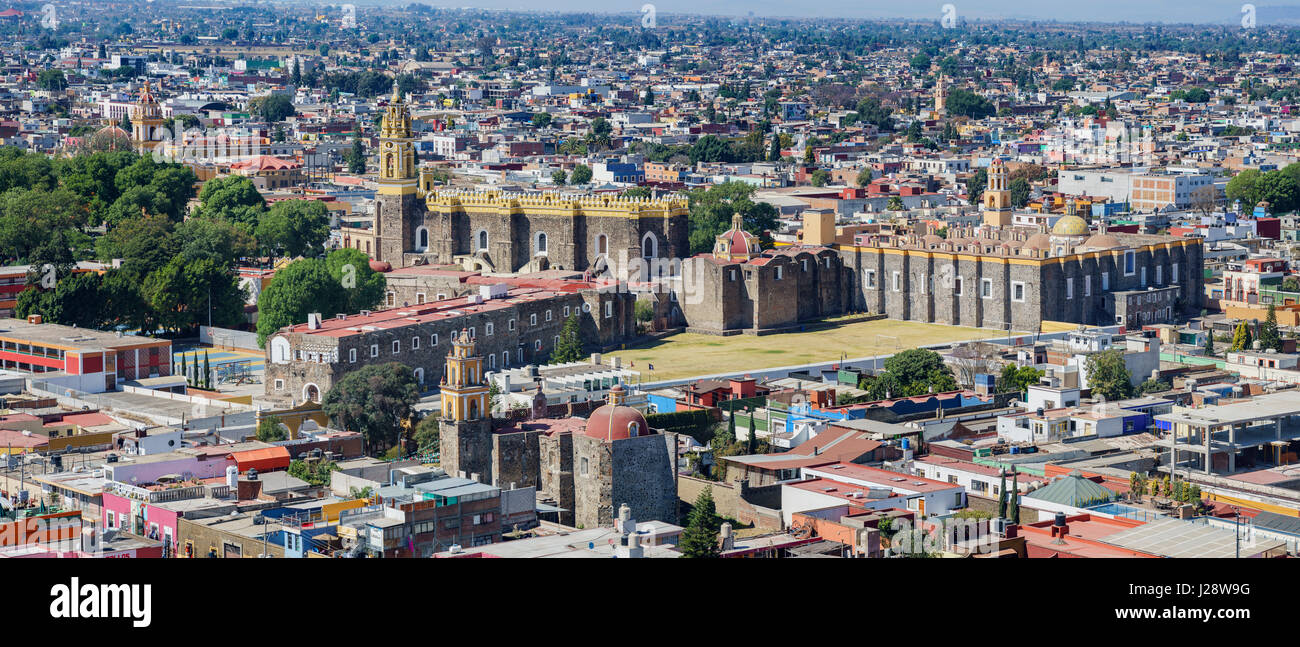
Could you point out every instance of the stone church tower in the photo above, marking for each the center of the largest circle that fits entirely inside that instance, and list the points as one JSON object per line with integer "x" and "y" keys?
{"x": 398, "y": 180}
{"x": 465, "y": 431}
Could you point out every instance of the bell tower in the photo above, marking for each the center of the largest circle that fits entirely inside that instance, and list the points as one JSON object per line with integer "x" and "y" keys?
{"x": 146, "y": 122}
{"x": 465, "y": 431}
{"x": 398, "y": 181}
{"x": 997, "y": 196}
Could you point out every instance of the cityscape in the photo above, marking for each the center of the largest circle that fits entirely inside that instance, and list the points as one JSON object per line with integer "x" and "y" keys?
{"x": 301, "y": 280}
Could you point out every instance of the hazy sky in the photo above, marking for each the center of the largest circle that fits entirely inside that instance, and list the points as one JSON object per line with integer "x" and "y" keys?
{"x": 1179, "y": 11}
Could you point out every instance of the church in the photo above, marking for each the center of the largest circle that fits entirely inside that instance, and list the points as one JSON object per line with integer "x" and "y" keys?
{"x": 416, "y": 223}
{"x": 587, "y": 468}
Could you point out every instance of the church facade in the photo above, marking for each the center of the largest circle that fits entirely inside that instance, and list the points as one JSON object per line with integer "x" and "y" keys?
{"x": 495, "y": 231}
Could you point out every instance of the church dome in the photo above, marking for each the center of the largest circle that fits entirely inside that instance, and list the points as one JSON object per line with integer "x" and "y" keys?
{"x": 613, "y": 421}
{"x": 736, "y": 243}
{"x": 380, "y": 266}
{"x": 1070, "y": 226}
{"x": 1102, "y": 241}
{"x": 1038, "y": 241}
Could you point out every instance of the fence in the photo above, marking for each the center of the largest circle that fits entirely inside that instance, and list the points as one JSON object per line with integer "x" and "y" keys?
{"x": 227, "y": 339}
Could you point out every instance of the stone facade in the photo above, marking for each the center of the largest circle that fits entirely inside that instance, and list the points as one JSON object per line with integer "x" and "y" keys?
{"x": 520, "y": 329}
{"x": 967, "y": 288}
{"x": 771, "y": 292}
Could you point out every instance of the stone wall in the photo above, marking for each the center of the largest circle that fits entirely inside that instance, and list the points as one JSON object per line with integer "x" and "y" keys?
{"x": 726, "y": 496}
{"x": 466, "y": 446}
{"x": 643, "y": 476}
{"x": 515, "y": 460}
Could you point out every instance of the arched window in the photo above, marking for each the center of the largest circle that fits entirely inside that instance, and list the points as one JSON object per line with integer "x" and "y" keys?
{"x": 419, "y": 376}
{"x": 541, "y": 243}
{"x": 649, "y": 246}
{"x": 311, "y": 393}
{"x": 473, "y": 409}
{"x": 602, "y": 245}
{"x": 421, "y": 239}
{"x": 482, "y": 241}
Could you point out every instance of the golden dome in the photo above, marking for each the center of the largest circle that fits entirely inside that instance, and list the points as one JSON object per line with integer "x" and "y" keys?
{"x": 1070, "y": 226}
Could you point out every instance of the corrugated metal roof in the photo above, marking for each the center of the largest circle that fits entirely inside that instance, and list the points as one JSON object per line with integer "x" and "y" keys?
{"x": 1073, "y": 490}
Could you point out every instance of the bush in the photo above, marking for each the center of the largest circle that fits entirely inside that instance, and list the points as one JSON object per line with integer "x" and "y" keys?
{"x": 697, "y": 423}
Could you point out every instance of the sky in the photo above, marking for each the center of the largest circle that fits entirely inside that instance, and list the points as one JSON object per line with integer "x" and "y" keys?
{"x": 1220, "y": 12}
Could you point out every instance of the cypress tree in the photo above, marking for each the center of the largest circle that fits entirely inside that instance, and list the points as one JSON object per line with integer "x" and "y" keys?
{"x": 749, "y": 442}
{"x": 1015, "y": 499}
{"x": 774, "y": 153}
{"x": 1209, "y": 343}
{"x": 207, "y": 374}
{"x": 1268, "y": 335}
{"x": 1002, "y": 496}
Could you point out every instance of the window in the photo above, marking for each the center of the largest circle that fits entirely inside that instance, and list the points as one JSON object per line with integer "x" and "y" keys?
{"x": 1069, "y": 288}
{"x": 1173, "y": 273}
{"x": 390, "y": 298}
{"x": 279, "y": 384}
{"x": 804, "y": 263}
{"x": 586, "y": 307}
{"x": 1129, "y": 263}
{"x": 986, "y": 288}
{"x": 548, "y": 315}
{"x": 510, "y": 325}
{"x": 397, "y": 346}
{"x": 541, "y": 243}
{"x": 1087, "y": 286}
{"x": 419, "y": 298}
{"x": 566, "y": 312}
{"x": 111, "y": 519}
{"x": 778, "y": 273}
{"x": 433, "y": 339}
{"x": 609, "y": 309}
{"x": 582, "y": 466}
{"x": 415, "y": 343}
{"x": 482, "y": 240}
{"x": 731, "y": 275}
{"x": 374, "y": 350}
{"x": 869, "y": 276}
{"x": 505, "y": 359}
{"x": 488, "y": 328}
{"x": 1017, "y": 291}
{"x": 957, "y": 286}
{"x": 532, "y": 319}
{"x": 471, "y": 333}
{"x": 1159, "y": 278}
{"x": 1144, "y": 277}
{"x": 1105, "y": 281}
{"x": 897, "y": 282}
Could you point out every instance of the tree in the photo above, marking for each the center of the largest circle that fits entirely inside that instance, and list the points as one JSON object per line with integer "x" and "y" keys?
{"x": 819, "y": 178}
{"x": 965, "y": 103}
{"x": 426, "y": 436}
{"x": 541, "y": 119}
{"x": 559, "y": 177}
{"x": 1136, "y": 485}
{"x": 299, "y": 288}
{"x": 314, "y": 473}
{"x": 913, "y": 372}
{"x": 363, "y": 288}
{"x": 1241, "y": 339}
{"x": 972, "y": 359}
{"x": 648, "y": 99}
{"x": 700, "y": 537}
{"x": 294, "y": 227}
{"x": 864, "y": 176}
{"x": 234, "y": 198}
{"x": 581, "y": 174}
{"x": 1018, "y": 378}
{"x": 207, "y": 371}
{"x": 1108, "y": 376}
{"x": 1268, "y": 334}
{"x": 774, "y": 153}
{"x": 1015, "y": 498}
{"x": 185, "y": 295}
{"x": 1020, "y": 191}
{"x": 975, "y": 186}
{"x": 895, "y": 204}
{"x": 357, "y": 155}
{"x": 273, "y": 108}
{"x": 374, "y": 400}
{"x": 1209, "y": 343}
{"x": 569, "y": 348}
{"x": 1002, "y": 496}
{"x": 920, "y": 61}
{"x": 269, "y": 430}
{"x": 52, "y": 80}
{"x": 1153, "y": 386}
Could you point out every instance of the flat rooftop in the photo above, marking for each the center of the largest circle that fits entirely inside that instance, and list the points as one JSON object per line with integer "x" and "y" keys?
{"x": 1177, "y": 538}
{"x": 1260, "y": 407}
{"x": 70, "y": 337}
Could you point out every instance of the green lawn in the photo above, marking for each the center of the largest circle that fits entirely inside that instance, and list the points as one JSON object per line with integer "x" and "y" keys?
{"x": 687, "y": 355}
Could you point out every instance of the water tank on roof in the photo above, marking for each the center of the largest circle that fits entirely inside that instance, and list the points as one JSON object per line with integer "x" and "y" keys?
{"x": 252, "y": 473}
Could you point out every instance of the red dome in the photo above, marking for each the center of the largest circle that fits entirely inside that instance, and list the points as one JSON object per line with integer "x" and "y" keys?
{"x": 616, "y": 422}
{"x": 380, "y": 266}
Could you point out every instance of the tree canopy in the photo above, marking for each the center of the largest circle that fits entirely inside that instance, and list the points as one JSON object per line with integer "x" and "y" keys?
{"x": 375, "y": 400}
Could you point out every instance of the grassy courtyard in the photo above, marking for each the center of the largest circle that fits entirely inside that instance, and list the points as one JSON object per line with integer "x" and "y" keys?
{"x": 688, "y": 355}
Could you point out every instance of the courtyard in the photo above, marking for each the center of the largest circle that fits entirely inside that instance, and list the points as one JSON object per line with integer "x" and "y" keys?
{"x": 688, "y": 354}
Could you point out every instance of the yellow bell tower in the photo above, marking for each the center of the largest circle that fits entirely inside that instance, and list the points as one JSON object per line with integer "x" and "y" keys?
{"x": 397, "y": 172}
{"x": 997, "y": 196}
{"x": 146, "y": 122}
{"x": 464, "y": 390}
